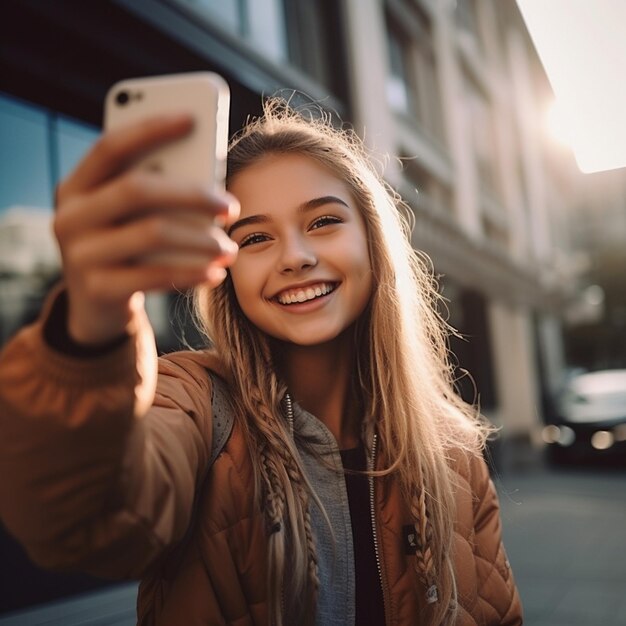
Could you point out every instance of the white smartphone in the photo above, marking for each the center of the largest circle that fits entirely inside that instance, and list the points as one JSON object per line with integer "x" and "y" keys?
{"x": 200, "y": 156}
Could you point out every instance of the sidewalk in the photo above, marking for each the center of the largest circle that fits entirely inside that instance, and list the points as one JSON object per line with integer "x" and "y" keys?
{"x": 565, "y": 533}
{"x": 111, "y": 607}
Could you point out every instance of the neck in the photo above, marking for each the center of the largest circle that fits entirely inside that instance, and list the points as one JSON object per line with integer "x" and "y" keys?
{"x": 319, "y": 378}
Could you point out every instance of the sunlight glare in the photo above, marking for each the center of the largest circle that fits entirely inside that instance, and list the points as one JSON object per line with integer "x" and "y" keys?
{"x": 582, "y": 46}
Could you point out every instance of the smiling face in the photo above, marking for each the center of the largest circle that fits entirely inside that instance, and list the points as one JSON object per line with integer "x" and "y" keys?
{"x": 303, "y": 273}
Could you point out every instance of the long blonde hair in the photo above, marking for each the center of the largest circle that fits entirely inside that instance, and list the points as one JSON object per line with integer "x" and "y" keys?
{"x": 403, "y": 374}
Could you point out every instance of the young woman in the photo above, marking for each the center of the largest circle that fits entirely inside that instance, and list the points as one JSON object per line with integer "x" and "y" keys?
{"x": 351, "y": 489}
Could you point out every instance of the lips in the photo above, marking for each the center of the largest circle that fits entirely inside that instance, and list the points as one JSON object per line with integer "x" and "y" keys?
{"x": 304, "y": 293}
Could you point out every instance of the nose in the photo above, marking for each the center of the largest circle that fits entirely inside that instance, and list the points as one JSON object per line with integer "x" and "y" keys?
{"x": 296, "y": 254}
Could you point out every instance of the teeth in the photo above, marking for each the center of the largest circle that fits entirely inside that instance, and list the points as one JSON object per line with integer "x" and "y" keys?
{"x": 303, "y": 295}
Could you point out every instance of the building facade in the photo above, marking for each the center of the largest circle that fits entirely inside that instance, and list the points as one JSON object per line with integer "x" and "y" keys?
{"x": 452, "y": 88}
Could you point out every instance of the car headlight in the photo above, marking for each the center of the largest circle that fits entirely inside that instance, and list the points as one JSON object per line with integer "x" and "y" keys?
{"x": 619, "y": 432}
{"x": 563, "y": 435}
{"x": 602, "y": 440}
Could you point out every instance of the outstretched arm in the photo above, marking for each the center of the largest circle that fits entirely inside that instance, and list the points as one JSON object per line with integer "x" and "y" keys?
{"x": 97, "y": 467}
{"x": 97, "y": 462}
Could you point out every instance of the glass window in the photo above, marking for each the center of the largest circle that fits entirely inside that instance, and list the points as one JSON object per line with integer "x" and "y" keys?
{"x": 266, "y": 19}
{"x": 315, "y": 40}
{"x": 400, "y": 87}
{"x": 227, "y": 13}
{"x": 25, "y": 176}
{"x": 412, "y": 84}
{"x": 260, "y": 23}
{"x": 38, "y": 147}
{"x": 428, "y": 91}
{"x": 306, "y": 34}
{"x": 73, "y": 141}
{"x": 398, "y": 81}
{"x": 483, "y": 139}
{"x": 472, "y": 348}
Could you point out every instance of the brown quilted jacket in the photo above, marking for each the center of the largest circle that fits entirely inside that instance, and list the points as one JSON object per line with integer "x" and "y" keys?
{"x": 99, "y": 463}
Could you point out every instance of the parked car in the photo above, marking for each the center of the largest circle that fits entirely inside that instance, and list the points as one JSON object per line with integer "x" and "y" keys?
{"x": 589, "y": 418}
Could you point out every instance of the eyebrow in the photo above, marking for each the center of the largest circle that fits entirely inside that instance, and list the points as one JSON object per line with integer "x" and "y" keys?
{"x": 309, "y": 205}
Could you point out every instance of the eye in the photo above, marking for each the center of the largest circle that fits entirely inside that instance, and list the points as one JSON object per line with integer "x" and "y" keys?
{"x": 253, "y": 238}
{"x": 325, "y": 220}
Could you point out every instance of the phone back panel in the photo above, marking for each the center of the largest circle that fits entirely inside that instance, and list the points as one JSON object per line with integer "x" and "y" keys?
{"x": 201, "y": 155}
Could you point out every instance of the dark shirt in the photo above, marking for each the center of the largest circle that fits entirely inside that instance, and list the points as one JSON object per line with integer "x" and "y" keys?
{"x": 369, "y": 595}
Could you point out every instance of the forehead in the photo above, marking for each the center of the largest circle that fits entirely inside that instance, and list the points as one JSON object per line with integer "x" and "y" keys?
{"x": 284, "y": 181}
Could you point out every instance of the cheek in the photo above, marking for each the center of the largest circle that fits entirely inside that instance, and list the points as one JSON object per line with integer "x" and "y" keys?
{"x": 355, "y": 262}
{"x": 247, "y": 277}
{"x": 366, "y": 273}
{"x": 360, "y": 261}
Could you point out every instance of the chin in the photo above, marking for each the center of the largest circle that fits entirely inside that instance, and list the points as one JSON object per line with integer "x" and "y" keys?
{"x": 309, "y": 339}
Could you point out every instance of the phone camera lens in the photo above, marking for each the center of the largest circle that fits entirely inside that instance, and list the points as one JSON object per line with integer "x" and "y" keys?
{"x": 122, "y": 98}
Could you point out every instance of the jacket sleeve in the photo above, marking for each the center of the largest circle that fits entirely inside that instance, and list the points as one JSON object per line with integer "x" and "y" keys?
{"x": 496, "y": 585}
{"x": 98, "y": 458}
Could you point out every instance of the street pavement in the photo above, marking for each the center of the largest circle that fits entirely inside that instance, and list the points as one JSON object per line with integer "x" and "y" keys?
{"x": 565, "y": 535}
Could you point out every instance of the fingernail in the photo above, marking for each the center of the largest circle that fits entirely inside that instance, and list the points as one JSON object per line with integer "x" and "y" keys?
{"x": 229, "y": 247}
{"x": 234, "y": 209}
{"x": 216, "y": 274}
{"x": 231, "y": 205}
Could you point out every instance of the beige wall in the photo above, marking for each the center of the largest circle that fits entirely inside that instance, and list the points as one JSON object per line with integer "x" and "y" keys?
{"x": 514, "y": 360}
{"x": 513, "y": 277}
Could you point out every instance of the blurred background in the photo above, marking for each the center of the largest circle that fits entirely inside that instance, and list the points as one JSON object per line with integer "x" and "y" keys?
{"x": 530, "y": 252}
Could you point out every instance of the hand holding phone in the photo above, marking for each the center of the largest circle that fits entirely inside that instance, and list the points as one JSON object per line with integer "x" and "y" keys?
{"x": 200, "y": 156}
{"x": 123, "y": 227}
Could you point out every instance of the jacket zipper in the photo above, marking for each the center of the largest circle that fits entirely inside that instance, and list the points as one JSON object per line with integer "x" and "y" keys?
{"x": 372, "y": 465}
{"x": 290, "y": 420}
